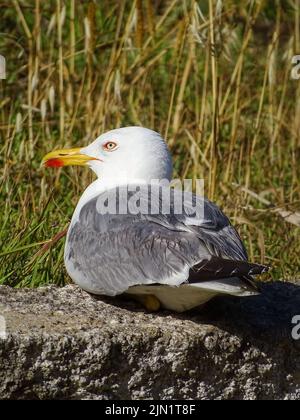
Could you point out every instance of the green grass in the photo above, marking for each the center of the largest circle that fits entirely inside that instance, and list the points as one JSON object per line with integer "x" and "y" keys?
{"x": 216, "y": 84}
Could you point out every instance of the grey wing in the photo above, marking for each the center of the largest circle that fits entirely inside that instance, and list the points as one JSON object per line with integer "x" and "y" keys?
{"x": 107, "y": 253}
{"x": 213, "y": 228}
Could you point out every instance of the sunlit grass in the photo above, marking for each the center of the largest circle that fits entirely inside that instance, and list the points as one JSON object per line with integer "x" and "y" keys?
{"x": 215, "y": 81}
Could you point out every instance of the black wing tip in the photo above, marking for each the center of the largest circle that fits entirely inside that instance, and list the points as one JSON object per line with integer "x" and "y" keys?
{"x": 256, "y": 269}
{"x": 215, "y": 267}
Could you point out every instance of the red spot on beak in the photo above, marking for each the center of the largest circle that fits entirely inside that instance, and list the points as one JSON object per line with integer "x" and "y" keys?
{"x": 54, "y": 163}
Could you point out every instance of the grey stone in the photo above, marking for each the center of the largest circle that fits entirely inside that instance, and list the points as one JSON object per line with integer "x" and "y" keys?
{"x": 62, "y": 343}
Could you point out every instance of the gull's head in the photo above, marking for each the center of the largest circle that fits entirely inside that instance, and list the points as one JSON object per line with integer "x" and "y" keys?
{"x": 133, "y": 153}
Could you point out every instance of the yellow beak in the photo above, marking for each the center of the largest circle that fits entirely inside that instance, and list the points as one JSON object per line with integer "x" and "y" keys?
{"x": 66, "y": 157}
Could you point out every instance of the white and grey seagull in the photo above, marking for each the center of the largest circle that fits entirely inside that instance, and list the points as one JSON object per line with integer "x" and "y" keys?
{"x": 164, "y": 259}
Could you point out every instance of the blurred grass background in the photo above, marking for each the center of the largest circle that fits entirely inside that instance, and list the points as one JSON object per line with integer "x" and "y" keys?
{"x": 214, "y": 77}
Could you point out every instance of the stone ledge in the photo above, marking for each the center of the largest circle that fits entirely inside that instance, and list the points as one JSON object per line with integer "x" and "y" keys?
{"x": 64, "y": 344}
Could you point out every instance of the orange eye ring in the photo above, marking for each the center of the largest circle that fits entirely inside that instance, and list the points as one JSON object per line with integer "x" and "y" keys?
{"x": 109, "y": 146}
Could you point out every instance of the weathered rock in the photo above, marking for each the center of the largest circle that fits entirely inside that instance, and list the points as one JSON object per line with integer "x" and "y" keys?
{"x": 62, "y": 343}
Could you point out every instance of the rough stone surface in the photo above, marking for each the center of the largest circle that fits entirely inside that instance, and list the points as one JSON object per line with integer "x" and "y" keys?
{"x": 65, "y": 344}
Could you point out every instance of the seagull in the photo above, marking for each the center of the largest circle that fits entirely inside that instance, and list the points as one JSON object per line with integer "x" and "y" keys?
{"x": 164, "y": 259}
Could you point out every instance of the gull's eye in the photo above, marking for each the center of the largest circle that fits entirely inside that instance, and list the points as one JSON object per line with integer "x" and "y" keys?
{"x": 109, "y": 146}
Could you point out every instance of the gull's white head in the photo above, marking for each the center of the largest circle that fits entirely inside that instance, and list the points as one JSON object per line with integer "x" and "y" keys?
{"x": 125, "y": 153}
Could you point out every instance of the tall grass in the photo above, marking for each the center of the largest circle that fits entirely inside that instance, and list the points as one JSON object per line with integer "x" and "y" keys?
{"x": 212, "y": 76}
